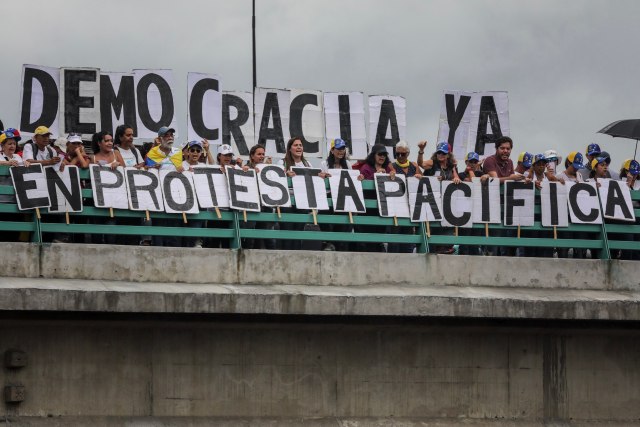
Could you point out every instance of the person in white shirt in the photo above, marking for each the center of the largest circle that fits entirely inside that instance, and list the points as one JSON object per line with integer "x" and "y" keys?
{"x": 123, "y": 139}
{"x": 38, "y": 149}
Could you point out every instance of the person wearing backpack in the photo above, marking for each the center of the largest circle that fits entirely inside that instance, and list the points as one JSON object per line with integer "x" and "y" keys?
{"x": 38, "y": 149}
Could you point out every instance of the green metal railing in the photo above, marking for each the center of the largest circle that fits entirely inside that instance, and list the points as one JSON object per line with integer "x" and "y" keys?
{"x": 230, "y": 227}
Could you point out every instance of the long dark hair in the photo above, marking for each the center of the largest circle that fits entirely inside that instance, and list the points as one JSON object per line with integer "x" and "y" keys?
{"x": 451, "y": 161}
{"x": 120, "y": 131}
{"x": 96, "y": 138}
{"x": 371, "y": 160}
{"x": 288, "y": 158}
{"x": 331, "y": 161}
{"x": 252, "y": 151}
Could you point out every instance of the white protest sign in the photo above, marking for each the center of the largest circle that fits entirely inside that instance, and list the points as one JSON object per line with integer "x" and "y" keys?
{"x": 117, "y": 100}
{"x": 615, "y": 197}
{"x": 345, "y": 119}
{"x": 210, "y": 187}
{"x": 457, "y": 204}
{"x": 178, "y": 192}
{"x": 30, "y": 185}
{"x": 472, "y": 121}
{"x": 387, "y": 121}
{"x": 204, "y": 113}
{"x": 272, "y": 120}
{"x": 306, "y": 120}
{"x": 584, "y": 207}
{"x": 64, "y": 187}
{"x": 154, "y": 96}
{"x": 519, "y": 200}
{"x": 346, "y": 191}
{"x": 80, "y": 101}
{"x": 393, "y": 200}
{"x": 237, "y": 121}
{"x": 243, "y": 189}
{"x": 144, "y": 190}
{"x": 273, "y": 186}
{"x": 554, "y": 206}
{"x": 486, "y": 201}
{"x": 109, "y": 187}
{"x": 425, "y": 199}
{"x": 309, "y": 189}
{"x": 39, "y": 99}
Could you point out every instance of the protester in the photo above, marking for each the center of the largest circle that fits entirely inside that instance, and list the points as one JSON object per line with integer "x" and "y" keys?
{"x": 500, "y": 165}
{"x": 337, "y": 158}
{"x": 629, "y": 172}
{"x": 193, "y": 159}
{"x": 377, "y": 162}
{"x": 572, "y": 167}
{"x": 9, "y": 142}
{"x": 525, "y": 160}
{"x": 225, "y": 157}
{"x": 257, "y": 157}
{"x": 441, "y": 164}
{"x": 75, "y": 154}
{"x": 104, "y": 154}
{"x": 38, "y": 149}
{"x": 165, "y": 155}
{"x": 593, "y": 151}
{"x": 538, "y": 171}
{"x": 294, "y": 156}
{"x": 599, "y": 169}
{"x": 610, "y": 173}
{"x": 124, "y": 144}
{"x": 473, "y": 167}
{"x": 553, "y": 160}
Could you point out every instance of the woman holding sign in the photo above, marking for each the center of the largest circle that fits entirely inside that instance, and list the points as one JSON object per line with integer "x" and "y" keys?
{"x": 257, "y": 157}
{"x": 441, "y": 164}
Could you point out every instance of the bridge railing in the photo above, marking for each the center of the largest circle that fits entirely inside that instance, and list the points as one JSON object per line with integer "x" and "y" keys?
{"x": 234, "y": 229}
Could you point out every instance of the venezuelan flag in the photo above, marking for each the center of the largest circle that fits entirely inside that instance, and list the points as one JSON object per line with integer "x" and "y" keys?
{"x": 156, "y": 156}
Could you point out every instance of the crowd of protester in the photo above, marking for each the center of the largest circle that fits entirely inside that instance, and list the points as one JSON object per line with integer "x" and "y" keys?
{"x": 118, "y": 150}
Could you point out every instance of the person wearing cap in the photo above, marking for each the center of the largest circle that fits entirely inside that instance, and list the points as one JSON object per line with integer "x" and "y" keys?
{"x": 225, "y": 158}
{"x": 525, "y": 160}
{"x": 441, "y": 164}
{"x": 194, "y": 150}
{"x": 257, "y": 157}
{"x": 500, "y": 165}
{"x": 337, "y": 158}
{"x": 473, "y": 167}
{"x": 593, "y": 151}
{"x": 38, "y": 149}
{"x": 74, "y": 154}
{"x": 629, "y": 173}
{"x": 8, "y": 145}
{"x": 552, "y": 161}
{"x": 572, "y": 167}
{"x": 123, "y": 139}
{"x": 610, "y": 173}
{"x": 537, "y": 173}
{"x": 165, "y": 155}
{"x": 599, "y": 169}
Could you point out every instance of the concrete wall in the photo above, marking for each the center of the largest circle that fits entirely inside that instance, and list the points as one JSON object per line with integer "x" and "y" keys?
{"x": 289, "y": 373}
{"x": 221, "y": 266}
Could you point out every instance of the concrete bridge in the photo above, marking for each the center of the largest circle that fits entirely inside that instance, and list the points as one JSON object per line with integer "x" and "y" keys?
{"x": 141, "y": 336}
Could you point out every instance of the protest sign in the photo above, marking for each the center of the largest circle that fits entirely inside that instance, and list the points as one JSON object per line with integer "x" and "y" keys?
{"x": 345, "y": 119}
{"x": 346, "y": 191}
{"x": 387, "y": 121}
{"x": 272, "y": 119}
{"x": 243, "y": 189}
{"x": 309, "y": 189}
{"x": 425, "y": 199}
{"x": 237, "y": 121}
{"x": 117, "y": 101}
{"x": 210, "y": 187}
{"x": 392, "y": 195}
{"x": 204, "y": 115}
{"x": 306, "y": 120}
{"x": 65, "y": 192}
{"x": 615, "y": 197}
{"x": 273, "y": 186}
{"x": 39, "y": 99}
{"x": 457, "y": 204}
{"x": 109, "y": 187}
{"x": 154, "y": 96}
{"x": 178, "y": 192}
{"x": 554, "y": 205}
{"x": 143, "y": 189}
{"x": 80, "y": 101}
{"x": 486, "y": 201}
{"x": 519, "y": 203}
{"x": 30, "y": 186}
{"x": 584, "y": 207}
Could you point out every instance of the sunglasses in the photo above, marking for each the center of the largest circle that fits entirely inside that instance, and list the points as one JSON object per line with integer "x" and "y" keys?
{"x": 382, "y": 154}
{"x": 195, "y": 150}
{"x": 401, "y": 154}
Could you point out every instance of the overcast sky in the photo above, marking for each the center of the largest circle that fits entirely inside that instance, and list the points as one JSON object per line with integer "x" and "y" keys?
{"x": 570, "y": 67}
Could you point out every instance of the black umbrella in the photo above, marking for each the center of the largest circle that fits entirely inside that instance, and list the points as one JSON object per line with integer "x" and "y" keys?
{"x": 624, "y": 129}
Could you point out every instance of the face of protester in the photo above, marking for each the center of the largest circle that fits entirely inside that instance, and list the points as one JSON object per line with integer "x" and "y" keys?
{"x": 225, "y": 159}
{"x": 258, "y": 156}
{"x": 9, "y": 147}
{"x": 539, "y": 167}
{"x": 402, "y": 154}
{"x": 381, "y": 158}
{"x": 42, "y": 141}
{"x": 339, "y": 153}
{"x": 193, "y": 154}
{"x": 73, "y": 146}
{"x": 106, "y": 145}
{"x": 601, "y": 169}
{"x": 127, "y": 139}
{"x": 297, "y": 149}
{"x": 504, "y": 151}
{"x": 441, "y": 156}
{"x": 472, "y": 164}
{"x": 166, "y": 141}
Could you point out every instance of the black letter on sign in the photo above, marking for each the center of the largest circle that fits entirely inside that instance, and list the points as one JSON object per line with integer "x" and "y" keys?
{"x": 284, "y": 191}
{"x": 231, "y": 128}
{"x": 22, "y": 186}
{"x": 510, "y": 202}
{"x": 168, "y": 196}
{"x": 425, "y": 198}
{"x": 209, "y": 172}
{"x": 49, "y": 99}
{"x": 295, "y": 120}
{"x": 99, "y": 186}
{"x": 166, "y": 99}
{"x": 573, "y": 201}
{"x": 344, "y": 110}
{"x": 553, "y": 199}
{"x": 484, "y": 193}
{"x": 346, "y": 188}
{"x": 235, "y": 188}
{"x": 73, "y": 101}
{"x": 615, "y": 198}
{"x": 123, "y": 104}
{"x": 383, "y": 194}
{"x": 271, "y": 108}
{"x": 457, "y": 221}
{"x": 454, "y": 115}
{"x": 133, "y": 188}
{"x": 387, "y": 118}
{"x": 308, "y": 174}
{"x": 195, "y": 108}
{"x": 488, "y": 113}
{"x": 73, "y": 195}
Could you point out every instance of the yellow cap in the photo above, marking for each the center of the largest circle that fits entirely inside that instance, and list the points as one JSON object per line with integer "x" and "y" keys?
{"x": 42, "y": 130}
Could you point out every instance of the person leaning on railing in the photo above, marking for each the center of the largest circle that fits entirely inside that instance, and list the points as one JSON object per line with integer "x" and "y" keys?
{"x": 572, "y": 167}
{"x": 629, "y": 173}
{"x": 256, "y": 157}
{"x": 9, "y": 143}
{"x": 473, "y": 169}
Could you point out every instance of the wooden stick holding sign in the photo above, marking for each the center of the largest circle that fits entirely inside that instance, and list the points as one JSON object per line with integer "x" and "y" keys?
{"x": 486, "y": 229}
{"x": 244, "y": 215}
{"x": 455, "y": 231}
{"x": 278, "y": 211}
{"x": 38, "y": 213}
{"x": 315, "y": 218}
{"x": 66, "y": 216}
{"x": 146, "y": 214}
{"x": 111, "y": 212}
{"x": 428, "y": 229}
{"x": 518, "y": 232}
{"x": 218, "y": 214}
{"x": 350, "y": 218}
{"x": 555, "y": 232}
{"x": 395, "y": 221}
{"x": 184, "y": 217}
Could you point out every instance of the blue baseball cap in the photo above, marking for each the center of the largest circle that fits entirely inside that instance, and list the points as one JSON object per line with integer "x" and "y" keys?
{"x": 164, "y": 130}
{"x": 442, "y": 147}
{"x": 195, "y": 144}
{"x": 593, "y": 149}
{"x": 526, "y": 159}
{"x": 338, "y": 144}
{"x": 539, "y": 158}
{"x": 472, "y": 156}
{"x": 575, "y": 158}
